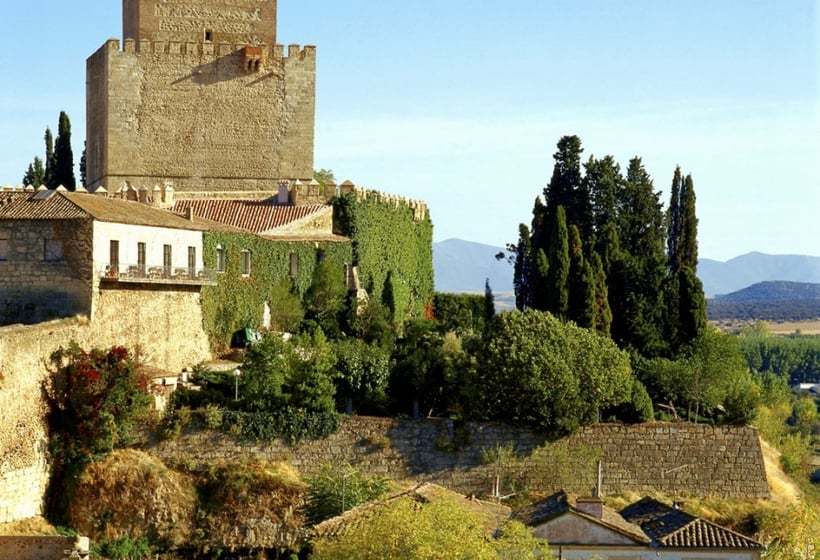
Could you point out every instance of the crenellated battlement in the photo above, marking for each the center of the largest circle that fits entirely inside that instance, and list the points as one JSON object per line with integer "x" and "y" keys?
{"x": 208, "y": 51}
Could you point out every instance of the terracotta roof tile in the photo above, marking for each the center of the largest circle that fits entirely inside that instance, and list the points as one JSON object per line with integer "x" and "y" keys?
{"x": 257, "y": 216}
{"x": 672, "y": 528}
{"x": 30, "y": 206}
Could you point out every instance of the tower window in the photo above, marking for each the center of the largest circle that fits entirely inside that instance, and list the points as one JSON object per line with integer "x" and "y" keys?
{"x": 220, "y": 258}
{"x": 246, "y": 263}
{"x": 209, "y": 36}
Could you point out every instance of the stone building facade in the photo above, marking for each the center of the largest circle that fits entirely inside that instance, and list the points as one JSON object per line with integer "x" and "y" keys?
{"x": 199, "y": 94}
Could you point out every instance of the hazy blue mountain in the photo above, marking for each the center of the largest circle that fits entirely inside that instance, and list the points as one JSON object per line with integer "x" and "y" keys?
{"x": 774, "y": 291}
{"x": 753, "y": 268}
{"x": 463, "y": 266}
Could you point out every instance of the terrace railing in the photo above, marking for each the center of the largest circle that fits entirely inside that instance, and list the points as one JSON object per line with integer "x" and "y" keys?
{"x": 147, "y": 274}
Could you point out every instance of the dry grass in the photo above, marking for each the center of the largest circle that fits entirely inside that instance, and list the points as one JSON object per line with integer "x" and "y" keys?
{"x": 784, "y": 491}
{"x": 34, "y": 527}
{"x": 132, "y": 494}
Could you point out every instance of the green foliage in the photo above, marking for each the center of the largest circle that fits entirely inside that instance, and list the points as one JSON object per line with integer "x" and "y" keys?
{"x": 289, "y": 425}
{"x": 797, "y": 358}
{"x": 388, "y": 241}
{"x": 431, "y": 372}
{"x": 324, "y": 177}
{"x": 326, "y": 298}
{"x": 436, "y": 530}
{"x": 709, "y": 381}
{"x": 363, "y": 371}
{"x": 557, "y": 290}
{"x": 539, "y": 371}
{"x": 309, "y": 380}
{"x": 339, "y": 488}
{"x": 805, "y": 415}
{"x": 237, "y": 302}
{"x": 581, "y": 284}
{"x": 125, "y": 548}
{"x": 63, "y": 155}
{"x": 35, "y": 174}
{"x": 213, "y": 417}
{"x": 795, "y": 451}
{"x": 97, "y": 400}
{"x": 460, "y": 313}
{"x": 286, "y": 308}
{"x": 48, "y": 138}
{"x": 264, "y": 374}
{"x": 638, "y": 408}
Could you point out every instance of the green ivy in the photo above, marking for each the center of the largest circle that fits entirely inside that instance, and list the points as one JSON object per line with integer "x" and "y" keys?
{"x": 290, "y": 425}
{"x": 237, "y": 301}
{"x": 389, "y": 243}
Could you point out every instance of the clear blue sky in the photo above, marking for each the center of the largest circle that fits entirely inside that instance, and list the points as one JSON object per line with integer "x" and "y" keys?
{"x": 461, "y": 102}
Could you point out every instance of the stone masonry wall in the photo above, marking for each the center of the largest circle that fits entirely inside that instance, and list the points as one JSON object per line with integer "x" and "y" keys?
{"x": 34, "y": 290}
{"x": 165, "y": 325}
{"x": 191, "y": 113}
{"x": 43, "y": 548}
{"x": 678, "y": 459}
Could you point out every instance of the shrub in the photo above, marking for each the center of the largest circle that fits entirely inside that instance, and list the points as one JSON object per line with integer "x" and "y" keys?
{"x": 289, "y": 425}
{"x": 125, "y": 548}
{"x": 339, "y": 488}
{"x": 363, "y": 371}
{"x": 460, "y": 313}
{"x": 97, "y": 400}
{"x": 639, "y": 408}
{"x": 212, "y": 415}
{"x": 795, "y": 450}
{"x": 131, "y": 496}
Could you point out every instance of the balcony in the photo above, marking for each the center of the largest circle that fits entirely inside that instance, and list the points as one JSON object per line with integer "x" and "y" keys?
{"x": 142, "y": 274}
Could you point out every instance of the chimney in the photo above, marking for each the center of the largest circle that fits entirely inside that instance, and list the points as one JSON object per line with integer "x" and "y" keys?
{"x": 189, "y": 213}
{"x": 284, "y": 195}
{"x": 591, "y": 506}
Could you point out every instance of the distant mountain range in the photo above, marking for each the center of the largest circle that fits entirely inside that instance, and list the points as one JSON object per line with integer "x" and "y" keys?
{"x": 769, "y": 301}
{"x": 774, "y": 291}
{"x": 462, "y": 266}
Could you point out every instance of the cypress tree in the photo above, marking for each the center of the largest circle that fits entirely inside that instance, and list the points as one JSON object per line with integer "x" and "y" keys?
{"x": 540, "y": 299}
{"x": 673, "y": 223}
{"x": 35, "y": 174}
{"x": 63, "y": 155}
{"x": 489, "y": 303}
{"x": 558, "y": 274}
{"x": 581, "y": 283}
{"x": 692, "y": 309}
{"x": 522, "y": 268}
{"x": 603, "y": 312}
{"x": 83, "y": 166}
{"x": 49, "y": 176}
{"x": 689, "y": 226}
{"x": 604, "y": 183}
{"x": 565, "y": 188}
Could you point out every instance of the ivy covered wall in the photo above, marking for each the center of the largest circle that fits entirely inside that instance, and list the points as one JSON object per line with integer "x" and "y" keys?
{"x": 388, "y": 242}
{"x": 238, "y": 301}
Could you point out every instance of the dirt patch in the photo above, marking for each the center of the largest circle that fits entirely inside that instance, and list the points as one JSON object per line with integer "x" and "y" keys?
{"x": 34, "y": 527}
{"x": 783, "y": 490}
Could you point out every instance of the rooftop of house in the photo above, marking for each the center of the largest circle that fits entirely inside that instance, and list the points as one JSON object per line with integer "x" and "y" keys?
{"x": 670, "y": 527}
{"x": 259, "y": 216}
{"x": 64, "y": 205}
{"x": 647, "y": 522}
{"x": 491, "y": 514}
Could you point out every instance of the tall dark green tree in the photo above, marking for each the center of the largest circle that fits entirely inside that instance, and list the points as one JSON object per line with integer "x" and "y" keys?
{"x": 522, "y": 268}
{"x": 35, "y": 174}
{"x": 540, "y": 282}
{"x": 49, "y": 174}
{"x": 692, "y": 310}
{"x": 63, "y": 155}
{"x": 603, "y": 311}
{"x": 604, "y": 182}
{"x": 84, "y": 166}
{"x": 489, "y": 302}
{"x": 673, "y": 223}
{"x": 581, "y": 283}
{"x": 688, "y": 248}
{"x": 558, "y": 274}
{"x": 567, "y": 188}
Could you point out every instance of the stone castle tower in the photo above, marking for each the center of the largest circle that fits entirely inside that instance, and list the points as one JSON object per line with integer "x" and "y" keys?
{"x": 200, "y": 95}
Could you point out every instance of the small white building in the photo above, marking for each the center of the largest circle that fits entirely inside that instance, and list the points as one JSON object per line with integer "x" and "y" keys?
{"x": 586, "y": 529}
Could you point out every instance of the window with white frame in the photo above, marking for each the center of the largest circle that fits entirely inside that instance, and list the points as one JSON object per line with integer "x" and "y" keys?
{"x": 220, "y": 258}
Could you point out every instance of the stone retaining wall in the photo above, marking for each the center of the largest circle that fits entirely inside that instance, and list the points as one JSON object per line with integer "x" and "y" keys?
{"x": 677, "y": 459}
{"x": 43, "y": 548}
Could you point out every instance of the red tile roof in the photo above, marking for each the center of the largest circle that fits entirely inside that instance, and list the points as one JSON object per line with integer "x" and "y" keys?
{"x": 257, "y": 216}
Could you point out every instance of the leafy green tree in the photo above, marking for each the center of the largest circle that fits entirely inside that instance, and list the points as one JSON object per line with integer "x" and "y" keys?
{"x": 324, "y": 177}
{"x": 363, "y": 372}
{"x": 557, "y": 289}
{"x": 539, "y": 371}
{"x": 35, "y": 174}
{"x": 340, "y": 488}
{"x": 309, "y": 384}
{"x": 326, "y": 298}
{"x": 63, "y": 155}
{"x": 287, "y": 312}
{"x": 805, "y": 415}
{"x": 435, "y": 530}
{"x": 266, "y": 365}
{"x": 581, "y": 281}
